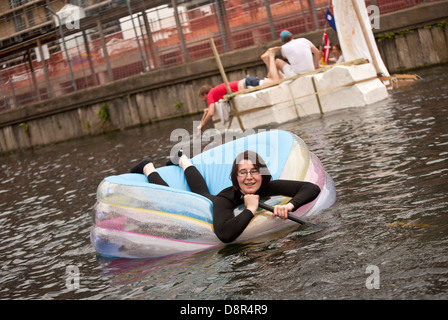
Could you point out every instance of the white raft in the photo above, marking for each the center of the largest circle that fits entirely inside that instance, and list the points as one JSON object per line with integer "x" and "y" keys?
{"x": 351, "y": 84}
{"x": 136, "y": 219}
{"x": 348, "y": 85}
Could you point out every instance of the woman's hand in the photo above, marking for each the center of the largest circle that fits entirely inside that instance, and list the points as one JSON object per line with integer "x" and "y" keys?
{"x": 251, "y": 202}
{"x": 282, "y": 210}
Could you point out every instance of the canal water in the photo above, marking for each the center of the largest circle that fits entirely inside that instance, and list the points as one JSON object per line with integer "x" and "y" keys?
{"x": 386, "y": 237}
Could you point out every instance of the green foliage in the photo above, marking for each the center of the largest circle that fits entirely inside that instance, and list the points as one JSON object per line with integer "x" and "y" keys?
{"x": 391, "y": 35}
{"x": 405, "y": 32}
{"x": 385, "y": 36}
{"x": 25, "y": 127}
{"x": 103, "y": 114}
{"x": 178, "y": 105}
{"x": 442, "y": 25}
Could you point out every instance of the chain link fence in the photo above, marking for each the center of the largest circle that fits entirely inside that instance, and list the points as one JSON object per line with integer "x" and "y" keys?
{"x": 127, "y": 38}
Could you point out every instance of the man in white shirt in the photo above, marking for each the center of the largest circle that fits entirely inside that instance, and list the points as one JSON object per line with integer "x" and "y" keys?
{"x": 302, "y": 55}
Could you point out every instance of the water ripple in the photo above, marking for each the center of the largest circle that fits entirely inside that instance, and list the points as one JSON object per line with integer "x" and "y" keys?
{"x": 389, "y": 164}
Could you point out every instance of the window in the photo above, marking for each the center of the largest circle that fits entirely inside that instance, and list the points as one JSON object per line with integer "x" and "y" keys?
{"x": 17, "y": 3}
{"x": 19, "y": 23}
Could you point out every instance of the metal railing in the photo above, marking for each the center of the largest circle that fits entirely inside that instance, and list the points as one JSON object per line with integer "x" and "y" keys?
{"x": 149, "y": 39}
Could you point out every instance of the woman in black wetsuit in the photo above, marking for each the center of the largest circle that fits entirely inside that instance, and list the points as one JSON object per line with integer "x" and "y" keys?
{"x": 251, "y": 181}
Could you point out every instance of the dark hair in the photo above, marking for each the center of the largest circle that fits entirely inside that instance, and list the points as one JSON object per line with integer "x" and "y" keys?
{"x": 287, "y": 39}
{"x": 205, "y": 89}
{"x": 258, "y": 163}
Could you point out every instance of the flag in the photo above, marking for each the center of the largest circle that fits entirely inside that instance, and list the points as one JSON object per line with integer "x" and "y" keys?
{"x": 329, "y": 17}
{"x": 326, "y": 46}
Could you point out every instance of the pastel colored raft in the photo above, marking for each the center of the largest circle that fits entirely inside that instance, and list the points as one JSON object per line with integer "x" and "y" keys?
{"x": 136, "y": 219}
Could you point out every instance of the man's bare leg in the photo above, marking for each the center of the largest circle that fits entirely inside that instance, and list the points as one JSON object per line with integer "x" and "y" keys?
{"x": 266, "y": 59}
{"x": 273, "y": 71}
{"x": 269, "y": 60}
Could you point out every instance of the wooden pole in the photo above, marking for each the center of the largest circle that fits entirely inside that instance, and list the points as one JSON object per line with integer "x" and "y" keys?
{"x": 218, "y": 62}
{"x": 317, "y": 95}
{"x": 223, "y": 75}
{"x": 366, "y": 36}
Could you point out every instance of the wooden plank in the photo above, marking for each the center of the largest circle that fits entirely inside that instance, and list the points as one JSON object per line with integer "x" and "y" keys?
{"x": 274, "y": 83}
{"x": 403, "y": 53}
{"x": 398, "y": 80}
{"x": 440, "y": 45}
{"x": 406, "y": 76}
{"x": 446, "y": 36}
{"x": 427, "y": 45}
{"x": 381, "y": 49}
{"x": 390, "y": 51}
{"x": 416, "y": 54}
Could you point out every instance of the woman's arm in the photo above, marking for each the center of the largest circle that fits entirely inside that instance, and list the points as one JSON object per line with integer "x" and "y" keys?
{"x": 207, "y": 115}
{"x": 300, "y": 192}
{"x": 227, "y": 227}
{"x": 316, "y": 56}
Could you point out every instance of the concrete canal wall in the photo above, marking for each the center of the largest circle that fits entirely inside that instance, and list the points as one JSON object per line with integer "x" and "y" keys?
{"x": 414, "y": 38}
{"x": 408, "y": 39}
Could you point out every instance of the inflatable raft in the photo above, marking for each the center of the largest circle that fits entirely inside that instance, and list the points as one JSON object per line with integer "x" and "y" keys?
{"x": 136, "y": 219}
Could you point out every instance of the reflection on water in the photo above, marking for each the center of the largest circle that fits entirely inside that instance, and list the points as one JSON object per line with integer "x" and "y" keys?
{"x": 388, "y": 161}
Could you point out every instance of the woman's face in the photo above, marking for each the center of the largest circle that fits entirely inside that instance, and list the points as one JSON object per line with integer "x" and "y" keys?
{"x": 336, "y": 51}
{"x": 249, "y": 178}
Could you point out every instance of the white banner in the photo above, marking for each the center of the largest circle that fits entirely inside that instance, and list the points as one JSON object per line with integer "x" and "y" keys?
{"x": 351, "y": 34}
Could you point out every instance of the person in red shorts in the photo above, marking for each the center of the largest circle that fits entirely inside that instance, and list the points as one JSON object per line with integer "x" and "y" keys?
{"x": 213, "y": 94}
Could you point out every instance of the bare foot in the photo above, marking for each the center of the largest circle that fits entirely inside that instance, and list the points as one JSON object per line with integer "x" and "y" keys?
{"x": 275, "y": 49}
{"x": 265, "y": 55}
{"x": 184, "y": 162}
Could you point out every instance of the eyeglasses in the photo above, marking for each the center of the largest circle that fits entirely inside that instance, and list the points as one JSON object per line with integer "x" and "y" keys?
{"x": 244, "y": 173}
